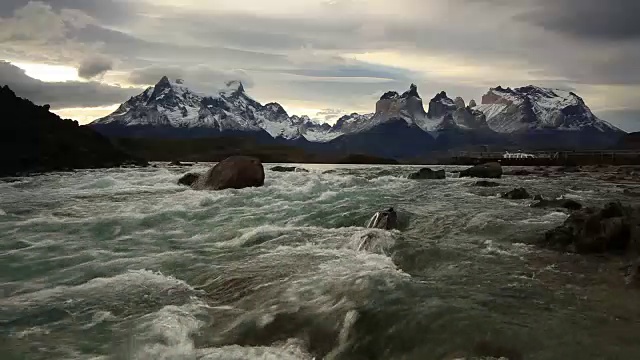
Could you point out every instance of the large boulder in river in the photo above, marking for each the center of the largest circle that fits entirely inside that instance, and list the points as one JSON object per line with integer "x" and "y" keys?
{"x": 386, "y": 220}
{"x": 428, "y": 174}
{"x": 613, "y": 229}
{"x": 491, "y": 170}
{"x": 236, "y": 172}
{"x": 516, "y": 194}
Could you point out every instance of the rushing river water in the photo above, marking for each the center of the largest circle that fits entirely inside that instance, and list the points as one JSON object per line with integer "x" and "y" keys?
{"x": 125, "y": 264}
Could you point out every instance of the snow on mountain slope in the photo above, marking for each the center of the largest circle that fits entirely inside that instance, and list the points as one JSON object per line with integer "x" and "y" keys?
{"x": 535, "y": 108}
{"x": 172, "y": 104}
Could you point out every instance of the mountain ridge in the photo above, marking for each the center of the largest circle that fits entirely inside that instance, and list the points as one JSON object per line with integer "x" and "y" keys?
{"x": 505, "y": 116}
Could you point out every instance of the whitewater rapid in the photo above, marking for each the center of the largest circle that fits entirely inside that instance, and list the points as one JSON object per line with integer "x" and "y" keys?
{"x": 125, "y": 263}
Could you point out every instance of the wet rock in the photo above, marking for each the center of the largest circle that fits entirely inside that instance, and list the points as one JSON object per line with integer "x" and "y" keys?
{"x": 568, "y": 169}
{"x": 612, "y": 229}
{"x": 236, "y": 172}
{"x": 288, "y": 169}
{"x": 516, "y": 194}
{"x": 491, "y": 170}
{"x": 519, "y": 172}
{"x": 188, "y": 179}
{"x": 558, "y": 204}
{"x": 387, "y": 220}
{"x": 179, "y": 163}
{"x": 484, "y": 183}
{"x": 428, "y": 174}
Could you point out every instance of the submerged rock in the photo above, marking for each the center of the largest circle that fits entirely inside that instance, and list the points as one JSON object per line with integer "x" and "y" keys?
{"x": 519, "y": 172}
{"x": 516, "y": 194}
{"x": 288, "y": 169}
{"x": 484, "y": 183}
{"x": 428, "y": 174}
{"x": 188, "y": 179}
{"x": 611, "y": 229}
{"x": 491, "y": 170}
{"x": 557, "y": 203}
{"x": 236, "y": 172}
{"x": 386, "y": 220}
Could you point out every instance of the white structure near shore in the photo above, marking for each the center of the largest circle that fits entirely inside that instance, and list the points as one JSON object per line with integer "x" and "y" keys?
{"x": 518, "y": 155}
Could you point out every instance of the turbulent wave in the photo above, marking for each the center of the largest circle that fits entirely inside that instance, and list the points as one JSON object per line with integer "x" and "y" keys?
{"x": 125, "y": 263}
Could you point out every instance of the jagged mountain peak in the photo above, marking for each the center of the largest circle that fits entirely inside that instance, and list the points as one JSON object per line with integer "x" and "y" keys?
{"x": 441, "y": 96}
{"x": 234, "y": 87}
{"x": 391, "y": 95}
{"x": 412, "y": 92}
{"x": 534, "y": 108}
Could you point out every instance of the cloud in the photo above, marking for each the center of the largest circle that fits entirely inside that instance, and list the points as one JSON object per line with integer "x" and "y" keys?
{"x": 330, "y": 115}
{"x": 200, "y": 78}
{"x": 108, "y": 11}
{"x": 319, "y": 54}
{"x": 62, "y": 94}
{"x": 588, "y": 19}
{"x": 94, "y": 66}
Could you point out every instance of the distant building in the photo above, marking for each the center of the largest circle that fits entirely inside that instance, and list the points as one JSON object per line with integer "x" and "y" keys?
{"x": 518, "y": 155}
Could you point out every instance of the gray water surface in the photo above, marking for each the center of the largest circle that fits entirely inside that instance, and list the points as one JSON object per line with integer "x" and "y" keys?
{"x": 125, "y": 264}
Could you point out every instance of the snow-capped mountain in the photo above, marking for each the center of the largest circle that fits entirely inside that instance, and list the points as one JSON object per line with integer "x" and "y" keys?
{"x": 170, "y": 104}
{"x": 533, "y": 108}
{"x": 529, "y": 116}
{"x": 444, "y": 113}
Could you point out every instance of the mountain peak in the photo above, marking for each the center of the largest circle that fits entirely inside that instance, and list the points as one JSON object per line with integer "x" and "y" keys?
{"x": 413, "y": 91}
{"x": 164, "y": 82}
{"x": 234, "y": 86}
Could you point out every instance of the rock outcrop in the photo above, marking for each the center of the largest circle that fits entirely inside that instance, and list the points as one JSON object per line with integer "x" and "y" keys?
{"x": 386, "y": 220}
{"x": 613, "y": 229}
{"x": 288, "y": 169}
{"x": 488, "y": 171}
{"x": 236, "y": 172}
{"x": 517, "y": 194}
{"x": 459, "y": 102}
{"x": 428, "y": 174}
{"x": 440, "y": 106}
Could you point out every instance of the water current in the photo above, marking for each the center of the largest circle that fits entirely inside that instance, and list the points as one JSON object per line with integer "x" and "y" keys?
{"x": 126, "y": 264}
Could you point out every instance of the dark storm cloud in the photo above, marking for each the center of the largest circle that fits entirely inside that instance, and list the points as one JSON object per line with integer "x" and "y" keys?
{"x": 62, "y": 94}
{"x": 140, "y": 52}
{"x": 588, "y": 19}
{"x": 94, "y": 66}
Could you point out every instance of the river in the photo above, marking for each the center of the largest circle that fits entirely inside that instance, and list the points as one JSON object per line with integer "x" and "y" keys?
{"x": 126, "y": 264}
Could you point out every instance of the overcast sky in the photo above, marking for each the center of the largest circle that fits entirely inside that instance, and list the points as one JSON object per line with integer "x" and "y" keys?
{"x": 322, "y": 58}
